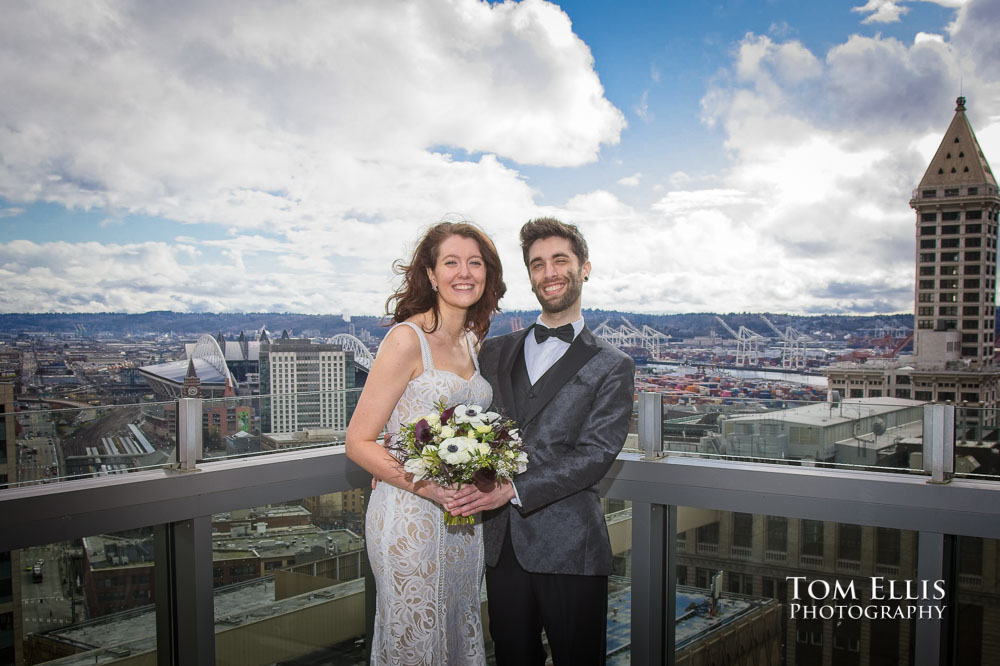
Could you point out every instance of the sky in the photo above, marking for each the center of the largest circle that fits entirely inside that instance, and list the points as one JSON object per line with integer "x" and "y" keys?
{"x": 247, "y": 156}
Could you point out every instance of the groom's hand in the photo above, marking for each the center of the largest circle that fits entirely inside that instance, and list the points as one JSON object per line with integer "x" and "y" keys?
{"x": 470, "y": 500}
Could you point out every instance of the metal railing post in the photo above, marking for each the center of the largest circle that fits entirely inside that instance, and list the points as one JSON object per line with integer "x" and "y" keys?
{"x": 650, "y": 424}
{"x": 654, "y": 583}
{"x": 185, "y": 606}
{"x": 939, "y": 442}
{"x": 189, "y": 444}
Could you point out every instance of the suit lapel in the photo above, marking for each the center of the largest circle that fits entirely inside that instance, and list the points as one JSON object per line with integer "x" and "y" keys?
{"x": 505, "y": 367}
{"x": 584, "y": 348}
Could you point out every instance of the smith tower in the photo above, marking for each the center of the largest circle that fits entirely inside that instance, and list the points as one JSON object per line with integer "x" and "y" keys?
{"x": 957, "y": 206}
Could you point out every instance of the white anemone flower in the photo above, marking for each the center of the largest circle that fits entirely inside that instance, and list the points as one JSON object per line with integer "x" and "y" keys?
{"x": 456, "y": 450}
{"x": 417, "y": 467}
{"x": 469, "y": 414}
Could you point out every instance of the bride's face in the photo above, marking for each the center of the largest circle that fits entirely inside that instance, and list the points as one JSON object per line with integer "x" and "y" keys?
{"x": 460, "y": 272}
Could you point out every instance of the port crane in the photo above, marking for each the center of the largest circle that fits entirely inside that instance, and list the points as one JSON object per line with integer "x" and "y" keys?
{"x": 747, "y": 344}
{"x": 629, "y": 335}
{"x": 793, "y": 346}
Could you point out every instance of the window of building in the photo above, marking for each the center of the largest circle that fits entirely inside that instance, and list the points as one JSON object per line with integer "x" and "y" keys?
{"x": 973, "y": 255}
{"x": 970, "y": 337}
{"x": 970, "y": 297}
{"x": 926, "y": 270}
{"x": 849, "y": 541}
{"x": 946, "y": 310}
{"x": 743, "y": 530}
{"x": 949, "y": 256}
{"x": 949, "y": 396}
{"x": 948, "y": 284}
{"x": 709, "y": 534}
{"x": 928, "y": 243}
{"x": 947, "y": 324}
{"x": 970, "y": 323}
{"x": 974, "y": 228}
{"x": 887, "y": 546}
{"x": 973, "y": 215}
{"x": 970, "y": 556}
{"x": 951, "y": 191}
{"x": 926, "y": 284}
{"x": 923, "y": 395}
{"x": 926, "y": 256}
{"x": 951, "y": 242}
{"x": 949, "y": 228}
{"x": 777, "y": 534}
{"x": 949, "y": 270}
{"x": 925, "y": 298}
{"x": 925, "y": 311}
{"x": 928, "y": 194}
{"x": 971, "y": 283}
{"x": 970, "y": 310}
{"x": 812, "y": 538}
{"x": 740, "y": 583}
{"x": 973, "y": 190}
{"x": 970, "y": 397}
{"x": 928, "y": 217}
{"x": 925, "y": 324}
{"x": 972, "y": 270}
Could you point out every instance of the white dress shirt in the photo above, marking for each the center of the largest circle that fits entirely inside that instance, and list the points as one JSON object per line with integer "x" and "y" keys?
{"x": 539, "y": 357}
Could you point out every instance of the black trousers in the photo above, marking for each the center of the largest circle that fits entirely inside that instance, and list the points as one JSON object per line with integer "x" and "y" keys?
{"x": 573, "y": 610}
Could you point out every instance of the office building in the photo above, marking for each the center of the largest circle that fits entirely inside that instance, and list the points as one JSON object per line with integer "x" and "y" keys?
{"x": 307, "y": 386}
{"x": 957, "y": 206}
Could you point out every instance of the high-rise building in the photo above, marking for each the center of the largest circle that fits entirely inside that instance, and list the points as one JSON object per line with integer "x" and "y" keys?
{"x": 307, "y": 386}
{"x": 957, "y": 206}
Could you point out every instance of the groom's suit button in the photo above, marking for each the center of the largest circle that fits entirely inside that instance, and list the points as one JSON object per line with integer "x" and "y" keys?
{"x": 531, "y": 395}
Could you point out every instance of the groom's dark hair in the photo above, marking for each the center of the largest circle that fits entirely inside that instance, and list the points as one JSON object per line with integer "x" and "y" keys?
{"x": 547, "y": 227}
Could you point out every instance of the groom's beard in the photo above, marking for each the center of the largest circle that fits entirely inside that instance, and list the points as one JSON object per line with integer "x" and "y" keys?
{"x": 574, "y": 287}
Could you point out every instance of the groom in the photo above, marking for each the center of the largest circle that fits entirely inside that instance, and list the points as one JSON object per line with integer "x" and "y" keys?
{"x": 547, "y": 551}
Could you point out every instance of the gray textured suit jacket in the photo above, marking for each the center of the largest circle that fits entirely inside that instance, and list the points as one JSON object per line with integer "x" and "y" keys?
{"x": 573, "y": 427}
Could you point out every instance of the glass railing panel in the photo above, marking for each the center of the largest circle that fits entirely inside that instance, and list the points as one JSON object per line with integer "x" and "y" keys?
{"x": 777, "y": 425}
{"x": 88, "y": 441}
{"x": 830, "y": 584}
{"x": 618, "y": 514}
{"x": 251, "y": 425}
{"x": 85, "y": 601}
{"x": 289, "y": 582}
{"x": 977, "y": 442}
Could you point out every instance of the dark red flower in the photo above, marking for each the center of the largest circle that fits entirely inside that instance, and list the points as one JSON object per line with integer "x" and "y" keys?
{"x": 446, "y": 414}
{"x": 422, "y": 433}
{"x": 485, "y": 479}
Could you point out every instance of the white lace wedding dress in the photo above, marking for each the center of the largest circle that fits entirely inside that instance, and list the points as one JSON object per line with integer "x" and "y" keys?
{"x": 427, "y": 574}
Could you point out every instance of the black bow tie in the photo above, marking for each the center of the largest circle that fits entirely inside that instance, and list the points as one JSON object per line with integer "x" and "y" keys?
{"x": 564, "y": 333}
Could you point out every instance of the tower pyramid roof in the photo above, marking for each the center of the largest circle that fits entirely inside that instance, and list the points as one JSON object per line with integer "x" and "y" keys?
{"x": 959, "y": 160}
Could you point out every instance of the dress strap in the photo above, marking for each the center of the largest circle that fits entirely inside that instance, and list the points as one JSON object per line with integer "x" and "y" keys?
{"x": 472, "y": 350}
{"x": 425, "y": 347}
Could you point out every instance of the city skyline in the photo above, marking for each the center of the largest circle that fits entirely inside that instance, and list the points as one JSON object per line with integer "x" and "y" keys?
{"x": 743, "y": 157}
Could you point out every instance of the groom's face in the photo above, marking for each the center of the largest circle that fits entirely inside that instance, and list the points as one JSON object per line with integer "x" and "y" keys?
{"x": 556, "y": 274}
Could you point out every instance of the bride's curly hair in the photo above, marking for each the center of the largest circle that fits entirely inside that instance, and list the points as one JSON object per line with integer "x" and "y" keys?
{"x": 415, "y": 295}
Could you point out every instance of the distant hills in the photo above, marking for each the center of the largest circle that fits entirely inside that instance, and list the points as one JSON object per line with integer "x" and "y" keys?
{"x": 193, "y": 324}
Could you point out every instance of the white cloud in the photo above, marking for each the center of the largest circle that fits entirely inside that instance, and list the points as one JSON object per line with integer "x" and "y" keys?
{"x": 335, "y": 131}
{"x": 10, "y": 211}
{"x": 316, "y": 161}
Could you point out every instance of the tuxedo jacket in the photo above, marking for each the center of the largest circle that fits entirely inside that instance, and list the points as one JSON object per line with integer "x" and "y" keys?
{"x": 573, "y": 423}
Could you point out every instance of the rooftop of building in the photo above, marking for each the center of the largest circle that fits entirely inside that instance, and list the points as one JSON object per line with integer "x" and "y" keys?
{"x": 823, "y": 414}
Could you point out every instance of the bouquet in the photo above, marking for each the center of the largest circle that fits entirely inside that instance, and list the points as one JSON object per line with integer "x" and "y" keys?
{"x": 460, "y": 445}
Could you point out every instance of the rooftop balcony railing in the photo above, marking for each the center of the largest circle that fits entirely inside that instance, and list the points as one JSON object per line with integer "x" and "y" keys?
{"x": 672, "y": 483}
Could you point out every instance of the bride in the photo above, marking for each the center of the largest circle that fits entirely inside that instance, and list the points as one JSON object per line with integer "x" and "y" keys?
{"x": 427, "y": 574}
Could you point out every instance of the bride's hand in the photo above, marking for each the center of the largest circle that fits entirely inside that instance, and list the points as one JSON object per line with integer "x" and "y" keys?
{"x": 435, "y": 493}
